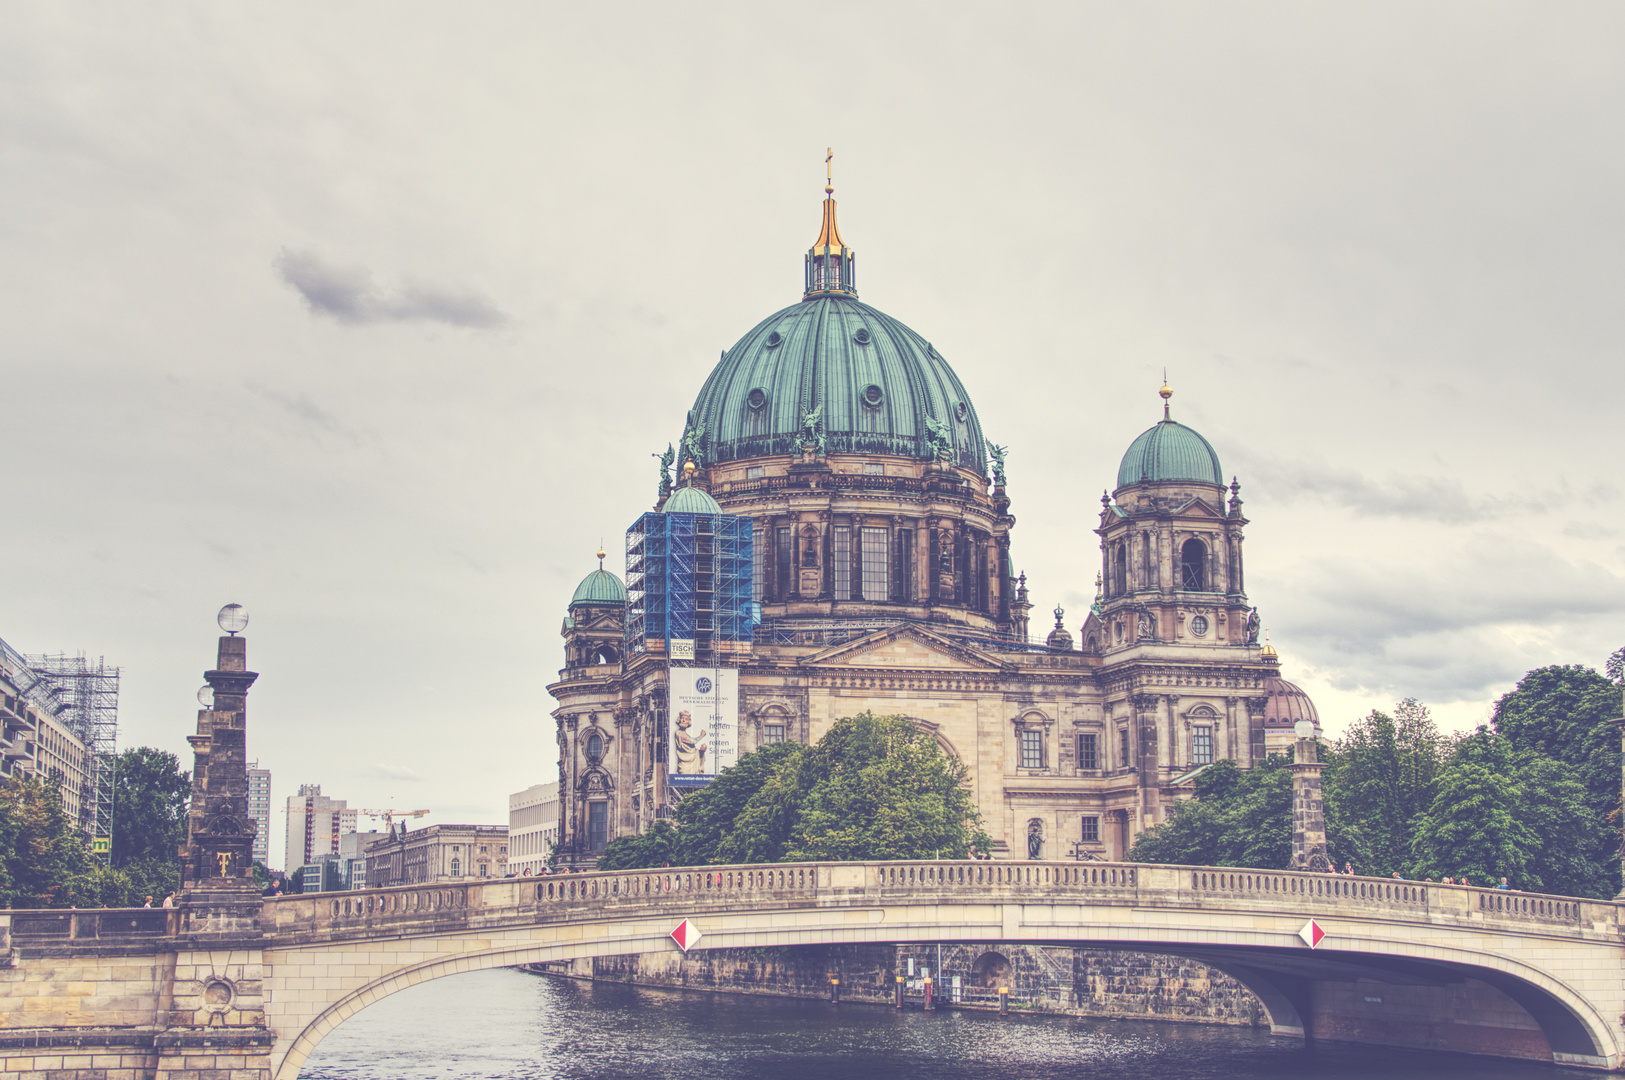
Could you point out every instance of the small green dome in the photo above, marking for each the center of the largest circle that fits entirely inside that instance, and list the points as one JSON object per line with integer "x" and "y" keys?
{"x": 690, "y": 500}
{"x": 1170, "y": 451}
{"x": 600, "y": 587}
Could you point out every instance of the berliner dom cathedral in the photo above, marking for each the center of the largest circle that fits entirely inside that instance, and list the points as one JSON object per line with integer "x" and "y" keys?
{"x": 833, "y": 533}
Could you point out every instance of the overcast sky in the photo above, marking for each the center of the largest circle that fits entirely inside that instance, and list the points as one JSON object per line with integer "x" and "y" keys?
{"x": 369, "y": 316}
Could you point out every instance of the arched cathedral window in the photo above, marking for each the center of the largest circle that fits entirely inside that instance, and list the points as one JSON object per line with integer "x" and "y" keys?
{"x": 1193, "y": 566}
{"x": 1120, "y": 570}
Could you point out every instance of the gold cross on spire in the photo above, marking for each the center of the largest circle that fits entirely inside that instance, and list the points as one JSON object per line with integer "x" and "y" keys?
{"x": 829, "y": 170}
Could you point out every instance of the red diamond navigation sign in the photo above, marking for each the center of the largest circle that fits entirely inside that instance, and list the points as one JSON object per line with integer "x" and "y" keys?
{"x": 687, "y": 935}
{"x": 1311, "y": 933}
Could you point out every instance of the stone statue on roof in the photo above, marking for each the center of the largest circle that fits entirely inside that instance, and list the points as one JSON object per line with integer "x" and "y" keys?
{"x": 937, "y": 440}
{"x": 813, "y": 429}
{"x": 692, "y": 439}
{"x": 665, "y": 469}
{"x": 997, "y": 454}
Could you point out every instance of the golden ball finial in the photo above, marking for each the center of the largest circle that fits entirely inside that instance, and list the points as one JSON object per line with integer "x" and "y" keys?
{"x": 602, "y": 554}
{"x": 689, "y": 468}
{"x": 1166, "y": 391}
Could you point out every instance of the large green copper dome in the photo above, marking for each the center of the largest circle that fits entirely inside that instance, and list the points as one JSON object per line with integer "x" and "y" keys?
{"x": 873, "y": 381}
{"x": 1170, "y": 451}
{"x": 600, "y": 587}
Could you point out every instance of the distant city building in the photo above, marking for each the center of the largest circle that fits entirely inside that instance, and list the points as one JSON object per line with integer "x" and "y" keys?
{"x": 259, "y": 808}
{"x": 436, "y": 854}
{"x": 323, "y": 875}
{"x": 533, "y": 827}
{"x": 353, "y": 856}
{"x": 59, "y": 719}
{"x": 315, "y": 823}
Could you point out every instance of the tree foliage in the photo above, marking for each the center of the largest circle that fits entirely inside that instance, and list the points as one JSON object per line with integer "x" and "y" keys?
{"x": 874, "y": 787}
{"x": 1380, "y": 777}
{"x": 1530, "y": 800}
{"x": 1239, "y": 817}
{"x": 44, "y": 859}
{"x": 1562, "y": 713}
{"x": 151, "y": 796}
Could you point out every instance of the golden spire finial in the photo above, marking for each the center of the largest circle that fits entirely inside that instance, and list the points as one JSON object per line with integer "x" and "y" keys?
{"x": 689, "y": 469}
{"x": 1268, "y": 652}
{"x": 1166, "y": 392}
{"x": 601, "y": 554}
{"x": 829, "y": 170}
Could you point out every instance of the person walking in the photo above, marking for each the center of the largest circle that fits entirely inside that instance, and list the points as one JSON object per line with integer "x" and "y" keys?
{"x": 1504, "y": 886}
{"x": 169, "y": 901}
{"x": 148, "y": 903}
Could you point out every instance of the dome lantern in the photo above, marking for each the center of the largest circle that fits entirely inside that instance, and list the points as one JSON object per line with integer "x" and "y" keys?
{"x": 831, "y": 265}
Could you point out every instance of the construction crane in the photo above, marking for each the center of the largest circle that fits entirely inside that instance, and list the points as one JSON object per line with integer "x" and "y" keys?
{"x": 389, "y": 816}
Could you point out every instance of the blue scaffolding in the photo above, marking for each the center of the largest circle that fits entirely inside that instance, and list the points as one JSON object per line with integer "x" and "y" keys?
{"x": 689, "y": 580}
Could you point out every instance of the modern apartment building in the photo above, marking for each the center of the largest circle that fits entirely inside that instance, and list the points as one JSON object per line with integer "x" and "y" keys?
{"x": 533, "y": 827}
{"x": 259, "y": 808}
{"x": 315, "y": 823}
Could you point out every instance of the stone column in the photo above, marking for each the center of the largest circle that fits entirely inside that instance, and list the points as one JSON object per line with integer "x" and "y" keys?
{"x": 1308, "y": 817}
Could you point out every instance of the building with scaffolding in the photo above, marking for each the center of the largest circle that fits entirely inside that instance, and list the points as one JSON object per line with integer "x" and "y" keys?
{"x": 59, "y": 721}
{"x": 883, "y": 580}
{"x": 688, "y": 581}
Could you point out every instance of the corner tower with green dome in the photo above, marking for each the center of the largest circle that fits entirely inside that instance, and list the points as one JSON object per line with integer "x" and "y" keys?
{"x": 854, "y": 448}
{"x": 1171, "y": 547}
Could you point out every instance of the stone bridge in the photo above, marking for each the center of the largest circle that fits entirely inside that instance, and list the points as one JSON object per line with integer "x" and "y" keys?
{"x": 187, "y": 995}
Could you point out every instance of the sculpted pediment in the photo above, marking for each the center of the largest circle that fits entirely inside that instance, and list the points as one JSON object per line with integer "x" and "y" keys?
{"x": 906, "y": 648}
{"x": 1200, "y": 507}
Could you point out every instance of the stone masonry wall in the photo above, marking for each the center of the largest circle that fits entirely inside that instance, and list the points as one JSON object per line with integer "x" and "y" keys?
{"x": 1088, "y": 982}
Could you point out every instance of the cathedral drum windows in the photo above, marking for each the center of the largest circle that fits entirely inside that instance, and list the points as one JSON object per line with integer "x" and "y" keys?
{"x": 876, "y": 564}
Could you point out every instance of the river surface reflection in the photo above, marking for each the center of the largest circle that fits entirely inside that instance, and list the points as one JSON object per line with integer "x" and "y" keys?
{"x": 506, "y": 1025}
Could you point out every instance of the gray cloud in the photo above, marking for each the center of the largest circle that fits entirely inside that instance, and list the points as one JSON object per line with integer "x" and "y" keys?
{"x": 397, "y": 772}
{"x": 1443, "y": 499}
{"x": 1449, "y": 628}
{"x": 349, "y": 295}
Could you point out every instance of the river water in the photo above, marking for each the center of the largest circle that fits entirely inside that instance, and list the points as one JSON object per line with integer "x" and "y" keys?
{"x": 507, "y": 1025}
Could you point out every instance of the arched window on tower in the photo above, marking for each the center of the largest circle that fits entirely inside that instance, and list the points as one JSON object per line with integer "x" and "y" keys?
{"x": 1120, "y": 569}
{"x": 1193, "y": 566}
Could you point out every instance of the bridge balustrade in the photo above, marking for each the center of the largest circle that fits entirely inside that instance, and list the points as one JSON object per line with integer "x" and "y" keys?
{"x": 563, "y": 896}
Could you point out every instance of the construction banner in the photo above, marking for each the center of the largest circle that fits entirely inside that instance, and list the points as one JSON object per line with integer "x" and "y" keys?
{"x": 703, "y": 724}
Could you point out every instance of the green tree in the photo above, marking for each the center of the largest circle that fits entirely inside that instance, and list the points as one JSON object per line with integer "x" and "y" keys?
{"x": 652, "y": 847}
{"x": 874, "y": 787}
{"x": 709, "y": 818}
{"x": 43, "y": 855}
{"x": 1380, "y": 777}
{"x": 1501, "y": 811}
{"x": 151, "y": 797}
{"x": 1563, "y": 712}
{"x": 1238, "y": 817}
{"x": 883, "y": 789}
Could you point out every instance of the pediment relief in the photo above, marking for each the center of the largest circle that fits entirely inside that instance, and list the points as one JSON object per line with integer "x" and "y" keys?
{"x": 907, "y": 648}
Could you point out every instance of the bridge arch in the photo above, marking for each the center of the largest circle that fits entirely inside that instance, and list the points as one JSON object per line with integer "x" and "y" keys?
{"x": 1541, "y": 962}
